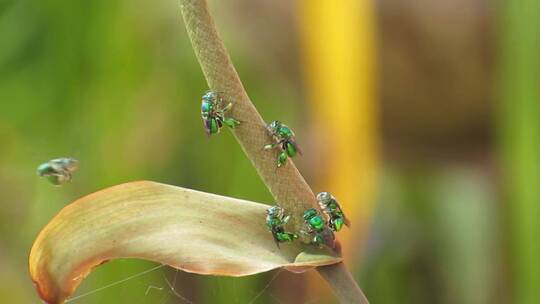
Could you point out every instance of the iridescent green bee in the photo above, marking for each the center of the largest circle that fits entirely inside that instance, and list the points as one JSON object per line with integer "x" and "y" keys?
{"x": 58, "y": 171}
{"x": 213, "y": 114}
{"x": 285, "y": 140}
{"x": 316, "y": 226}
{"x": 331, "y": 207}
{"x": 275, "y": 220}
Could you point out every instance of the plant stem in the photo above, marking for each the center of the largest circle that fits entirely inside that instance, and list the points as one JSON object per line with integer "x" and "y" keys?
{"x": 342, "y": 283}
{"x": 286, "y": 184}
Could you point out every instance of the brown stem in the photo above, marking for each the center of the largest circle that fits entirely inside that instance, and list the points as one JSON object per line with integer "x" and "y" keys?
{"x": 342, "y": 283}
{"x": 286, "y": 184}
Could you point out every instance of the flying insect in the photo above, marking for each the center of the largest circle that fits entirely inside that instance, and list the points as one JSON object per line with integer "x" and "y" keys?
{"x": 58, "y": 171}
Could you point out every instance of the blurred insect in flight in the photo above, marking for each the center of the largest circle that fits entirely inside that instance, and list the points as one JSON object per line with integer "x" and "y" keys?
{"x": 59, "y": 170}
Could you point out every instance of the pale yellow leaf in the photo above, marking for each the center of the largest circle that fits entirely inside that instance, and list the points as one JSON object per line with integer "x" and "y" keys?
{"x": 189, "y": 230}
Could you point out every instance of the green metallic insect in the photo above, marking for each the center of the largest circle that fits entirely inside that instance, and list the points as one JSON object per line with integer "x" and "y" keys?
{"x": 316, "y": 226}
{"x": 285, "y": 140}
{"x": 275, "y": 220}
{"x": 331, "y": 207}
{"x": 58, "y": 171}
{"x": 213, "y": 114}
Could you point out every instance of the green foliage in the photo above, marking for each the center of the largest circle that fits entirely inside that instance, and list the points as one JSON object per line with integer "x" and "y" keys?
{"x": 519, "y": 118}
{"x": 115, "y": 85}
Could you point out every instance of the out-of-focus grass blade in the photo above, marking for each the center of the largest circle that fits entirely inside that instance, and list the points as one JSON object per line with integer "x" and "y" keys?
{"x": 465, "y": 229}
{"x": 519, "y": 118}
{"x": 186, "y": 229}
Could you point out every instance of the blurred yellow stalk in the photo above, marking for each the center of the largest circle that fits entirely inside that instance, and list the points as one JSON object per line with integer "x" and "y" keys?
{"x": 338, "y": 50}
{"x": 339, "y": 66}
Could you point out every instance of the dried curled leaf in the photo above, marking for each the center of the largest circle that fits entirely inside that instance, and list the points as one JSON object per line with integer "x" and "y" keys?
{"x": 189, "y": 230}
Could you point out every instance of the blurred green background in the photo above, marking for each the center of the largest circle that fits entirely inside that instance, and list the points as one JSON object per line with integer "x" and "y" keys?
{"x": 449, "y": 133}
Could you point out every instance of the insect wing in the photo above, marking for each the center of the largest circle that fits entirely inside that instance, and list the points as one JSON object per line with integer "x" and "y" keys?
{"x": 208, "y": 126}
{"x": 71, "y": 165}
{"x": 346, "y": 221}
{"x": 56, "y": 166}
{"x": 64, "y": 178}
{"x": 275, "y": 231}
